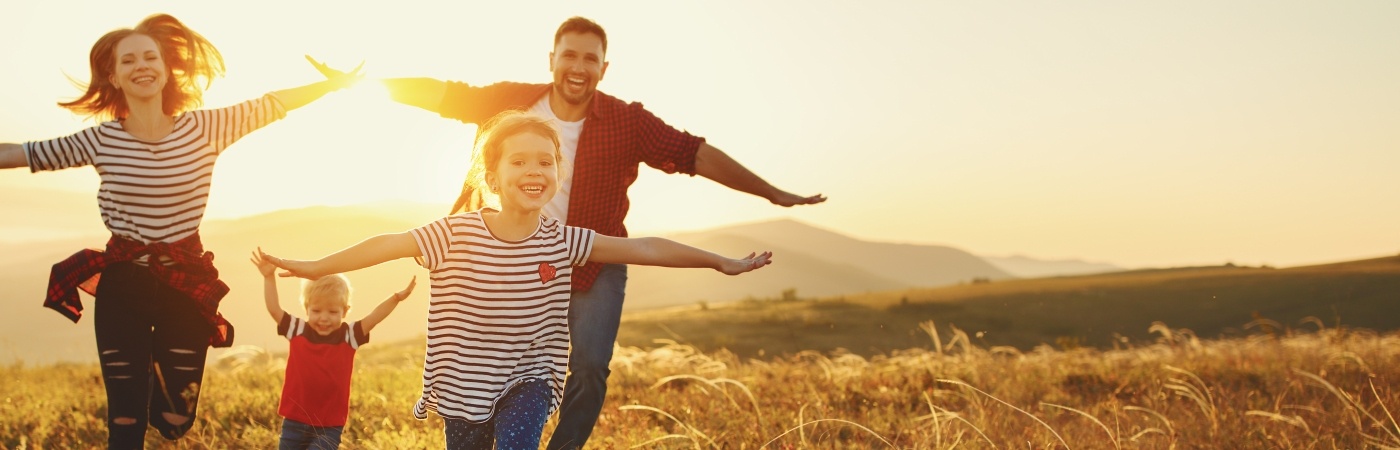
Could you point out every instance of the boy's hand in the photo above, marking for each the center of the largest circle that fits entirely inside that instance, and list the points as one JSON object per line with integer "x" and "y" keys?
{"x": 748, "y": 263}
{"x": 262, "y": 264}
{"x": 403, "y": 295}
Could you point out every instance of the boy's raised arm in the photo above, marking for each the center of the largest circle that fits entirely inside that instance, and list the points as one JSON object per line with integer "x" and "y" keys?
{"x": 274, "y": 304}
{"x": 375, "y": 250}
{"x": 654, "y": 251}
{"x": 387, "y": 306}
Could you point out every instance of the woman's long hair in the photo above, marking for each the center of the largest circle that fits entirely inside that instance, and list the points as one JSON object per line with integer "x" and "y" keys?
{"x": 475, "y": 194}
{"x": 189, "y": 59}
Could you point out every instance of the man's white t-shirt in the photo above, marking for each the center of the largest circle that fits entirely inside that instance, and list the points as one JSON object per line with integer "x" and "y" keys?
{"x": 558, "y": 208}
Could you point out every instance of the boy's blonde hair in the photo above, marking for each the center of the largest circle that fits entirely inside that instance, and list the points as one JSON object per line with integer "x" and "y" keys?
{"x": 333, "y": 287}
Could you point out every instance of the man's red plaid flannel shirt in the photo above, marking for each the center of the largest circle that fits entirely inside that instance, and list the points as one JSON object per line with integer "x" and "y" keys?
{"x": 192, "y": 274}
{"x": 617, "y": 136}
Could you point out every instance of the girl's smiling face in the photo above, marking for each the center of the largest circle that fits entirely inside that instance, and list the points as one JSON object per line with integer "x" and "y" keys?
{"x": 527, "y": 175}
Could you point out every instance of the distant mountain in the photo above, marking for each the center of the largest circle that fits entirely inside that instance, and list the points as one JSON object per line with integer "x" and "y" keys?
{"x": 1027, "y": 267}
{"x": 814, "y": 261}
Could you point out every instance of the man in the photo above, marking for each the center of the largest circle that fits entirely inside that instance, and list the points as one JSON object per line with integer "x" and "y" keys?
{"x": 603, "y": 140}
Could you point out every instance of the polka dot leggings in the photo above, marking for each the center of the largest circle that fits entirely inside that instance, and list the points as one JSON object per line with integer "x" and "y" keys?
{"x": 517, "y": 423}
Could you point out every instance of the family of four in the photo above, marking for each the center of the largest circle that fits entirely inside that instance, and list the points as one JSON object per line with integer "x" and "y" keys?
{"x": 527, "y": 272}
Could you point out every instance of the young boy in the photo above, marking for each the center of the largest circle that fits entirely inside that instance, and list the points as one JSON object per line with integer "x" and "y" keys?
{"x": 316, "y": 393}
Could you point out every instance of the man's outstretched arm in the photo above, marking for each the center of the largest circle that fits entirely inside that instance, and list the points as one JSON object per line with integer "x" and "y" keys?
{"x": 713, "y": 163}
{"x": 426, "y": 93}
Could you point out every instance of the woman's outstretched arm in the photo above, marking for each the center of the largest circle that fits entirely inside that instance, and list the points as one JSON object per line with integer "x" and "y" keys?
{"x": 12, "y": 156}
{"x": 300, "y": 96}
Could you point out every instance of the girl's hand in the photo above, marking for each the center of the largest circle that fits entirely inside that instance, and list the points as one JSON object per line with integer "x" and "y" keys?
{"x": 290, "y": 267}
{"x": 748, "y": 263}
{"x": 267, "y": 268}
{"x": 403, "y": 295}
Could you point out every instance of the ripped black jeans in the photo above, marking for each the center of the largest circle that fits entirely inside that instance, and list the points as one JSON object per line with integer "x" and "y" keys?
{"x": 151, "y": 342}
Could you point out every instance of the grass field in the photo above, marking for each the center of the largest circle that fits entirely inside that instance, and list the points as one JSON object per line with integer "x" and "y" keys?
{"x": 1333, "y": 388}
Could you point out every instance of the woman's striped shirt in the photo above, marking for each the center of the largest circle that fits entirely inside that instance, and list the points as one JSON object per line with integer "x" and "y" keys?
{"x": 499, "y": 312}
{"x": 155, "y": 191}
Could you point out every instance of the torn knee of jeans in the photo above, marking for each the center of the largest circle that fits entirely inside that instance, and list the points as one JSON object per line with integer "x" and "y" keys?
{"x": 186, "y": 368}
{"x": 108, "y": 352}
{"x": 182, "y": 351}
{"x": 124, "y": 421}
{"x": 175, "y": 419}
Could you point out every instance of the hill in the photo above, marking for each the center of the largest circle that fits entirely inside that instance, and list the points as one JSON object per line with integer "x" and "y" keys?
{"x": 1096, "y": 310}
{"x": 1026, "y": 267}
{"x": 809, "y": 259}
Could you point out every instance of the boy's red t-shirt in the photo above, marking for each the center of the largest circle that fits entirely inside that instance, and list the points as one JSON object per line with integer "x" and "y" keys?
{"x": 316, "y": 390}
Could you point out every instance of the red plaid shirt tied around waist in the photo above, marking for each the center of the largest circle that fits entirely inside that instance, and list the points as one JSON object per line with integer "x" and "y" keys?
{"x": 192, "y": 274}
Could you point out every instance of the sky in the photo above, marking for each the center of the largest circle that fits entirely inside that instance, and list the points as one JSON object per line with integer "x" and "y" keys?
{"x": 1143, "y": 134}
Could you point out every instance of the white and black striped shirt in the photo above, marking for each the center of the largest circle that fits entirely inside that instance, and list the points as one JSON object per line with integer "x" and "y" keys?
{"x": 155, "y": 191}
{"x": 499, "y": 312}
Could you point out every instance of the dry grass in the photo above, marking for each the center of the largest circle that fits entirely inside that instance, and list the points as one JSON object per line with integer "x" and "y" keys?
{"x": 1334, "y": 388}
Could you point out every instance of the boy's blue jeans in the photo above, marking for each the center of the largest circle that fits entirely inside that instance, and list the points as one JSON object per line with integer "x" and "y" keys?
{"x": 593, "y": 320}
{"x": 300, "y": 436}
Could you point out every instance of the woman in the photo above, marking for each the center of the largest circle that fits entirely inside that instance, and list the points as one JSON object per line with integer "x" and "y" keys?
{"x": 157, "y": 302}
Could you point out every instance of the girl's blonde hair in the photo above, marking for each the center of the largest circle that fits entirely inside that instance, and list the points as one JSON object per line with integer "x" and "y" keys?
{"x": 333, "y": 287}
{"x": 190, "y": 60}
{"x": 475, "y": 195}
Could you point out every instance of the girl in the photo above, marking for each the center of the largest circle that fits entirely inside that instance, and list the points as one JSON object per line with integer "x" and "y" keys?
{"x": 498, "y": 337}
{"x": 157, "y": 302}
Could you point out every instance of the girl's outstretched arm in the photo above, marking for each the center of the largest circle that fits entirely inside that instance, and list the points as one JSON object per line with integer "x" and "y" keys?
{"x": 375, "y": 250}
{"x": 12, "y": 156}
{"x": 654, "y": 251}
{"x": 297, "y": 97}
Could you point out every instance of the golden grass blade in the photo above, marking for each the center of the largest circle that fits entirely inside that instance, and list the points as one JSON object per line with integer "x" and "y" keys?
{"x": 662, "y": 438}
{"x": 1167, "y": 422}
{"x": 693, "y": 432}
{"x": 1296, "y": 421}
{"x": 1095, "y": 419}
{"x": 959, "y": 418}
{"x": 932, "y": 331}
{"x": 1380, "y": 402}
{"x": 1022, "y": 411}
{"x": 752, "y": 399}
{"x": 1145, "y": 431}
{"x": 1346, "y": 399}
{"x": 872, "y": 432}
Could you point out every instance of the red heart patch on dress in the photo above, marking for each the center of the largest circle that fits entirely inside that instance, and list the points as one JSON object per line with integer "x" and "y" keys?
{"x": 547, "y": 272}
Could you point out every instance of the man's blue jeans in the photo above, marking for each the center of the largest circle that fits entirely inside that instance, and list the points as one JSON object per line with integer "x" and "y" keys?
{"x": 593, "y": 320}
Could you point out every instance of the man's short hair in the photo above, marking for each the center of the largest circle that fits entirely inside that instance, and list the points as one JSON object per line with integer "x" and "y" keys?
{"x": 578, "y": 24}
